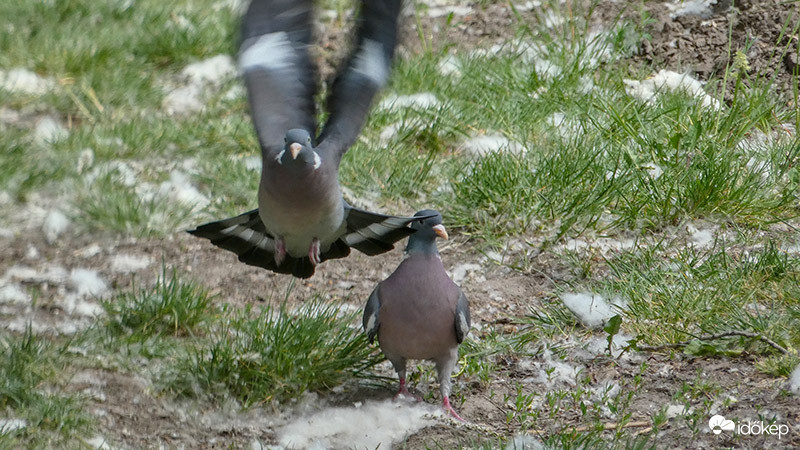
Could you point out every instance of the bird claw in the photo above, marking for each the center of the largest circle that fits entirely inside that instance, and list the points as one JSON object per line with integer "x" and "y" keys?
{"x": 280, "y": 251}
{"x": 313, "y": 252}
{"x": 449, "y": 409}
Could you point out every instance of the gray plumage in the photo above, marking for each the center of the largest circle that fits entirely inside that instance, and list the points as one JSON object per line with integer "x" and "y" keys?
{"x": 418, "y": 312}
{"x": 302, "y": 218}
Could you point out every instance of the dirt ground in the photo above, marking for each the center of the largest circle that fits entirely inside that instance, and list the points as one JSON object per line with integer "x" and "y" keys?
{"x": 133, "y": 413}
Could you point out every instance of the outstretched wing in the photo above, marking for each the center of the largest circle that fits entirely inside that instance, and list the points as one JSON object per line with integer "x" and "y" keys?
{"x": 246, "y": 236}
{"x": 277, "y": 70}
{"x": 373, "y": 233}
{"x": 364, "y": 74}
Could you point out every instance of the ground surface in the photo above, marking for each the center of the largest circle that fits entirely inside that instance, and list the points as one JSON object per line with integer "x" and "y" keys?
{"x": 660, "y": 398}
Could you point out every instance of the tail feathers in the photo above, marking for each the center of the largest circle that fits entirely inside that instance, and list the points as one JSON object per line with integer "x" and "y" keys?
{"x": 246, "y": 236}
{"x": 373, "y": 233}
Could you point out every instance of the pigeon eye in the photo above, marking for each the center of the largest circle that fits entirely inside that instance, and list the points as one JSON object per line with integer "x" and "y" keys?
{"x": 308, "y": 140}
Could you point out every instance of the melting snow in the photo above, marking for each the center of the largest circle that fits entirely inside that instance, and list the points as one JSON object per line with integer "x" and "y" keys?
{"x": 9, "y": 425}
{"x": 129, "y": 263}
{"x": 667, "y": 80}
{"x": 524, "y": 442}
{"x": 213, "y": 70}
{"x": 87, "y": 282}
{"x": 553, "y": 370}
{"x": 24, "y": 81}
{"x": 422, "y": 100}
{"x": 14, "y": 294}
{"x": 592, "y": 309}
{"x": 701, "y": 8}
{"x": 486, "y": 144}
{"x": 794, "y": 381}
{"x": 55, "y": 223}
{"x": 180, "y": 189}
{"x": 700, "y": 238}
{"x": 48, "y": 130}
{"x": 450, "y": 65}
{"x": 460, "y": 272}
{"x": 677, "y": 410}
{"x": 369, "y": 425}
{"x": 184, "y": 100}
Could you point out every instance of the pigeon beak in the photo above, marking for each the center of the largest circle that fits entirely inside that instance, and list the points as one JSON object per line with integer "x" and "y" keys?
{"x": 294, "y": 149}
{"x": 440, "y": 231}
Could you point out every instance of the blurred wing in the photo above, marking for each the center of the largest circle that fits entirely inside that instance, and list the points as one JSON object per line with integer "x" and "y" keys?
{"x": 373, "y": 233}
{"x": 277, "y": 70}
{"x": 364, "y": 74}
{"x": 371, "y": 311}
{"x": 463, "y": 321}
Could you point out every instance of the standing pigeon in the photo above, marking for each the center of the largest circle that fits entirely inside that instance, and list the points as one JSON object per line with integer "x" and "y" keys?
{"x": 419, "y": 312}
{"x": 302, "y": 218}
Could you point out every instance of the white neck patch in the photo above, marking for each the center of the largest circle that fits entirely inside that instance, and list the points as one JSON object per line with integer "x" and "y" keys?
{"x": 317, "y": 161}
{"x": 280, "y": 155}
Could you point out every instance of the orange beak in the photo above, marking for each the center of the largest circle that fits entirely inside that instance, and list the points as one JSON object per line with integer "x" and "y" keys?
{"x": 294, "y": 149}
{"x": 440, "y": 231}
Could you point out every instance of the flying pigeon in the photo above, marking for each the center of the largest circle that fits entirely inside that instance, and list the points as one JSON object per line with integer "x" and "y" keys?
{"x": 419, "y": 312}
{"x": 302, "y": 218}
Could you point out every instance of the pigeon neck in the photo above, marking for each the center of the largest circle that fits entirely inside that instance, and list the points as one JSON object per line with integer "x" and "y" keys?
{"x": 424, "y": 246}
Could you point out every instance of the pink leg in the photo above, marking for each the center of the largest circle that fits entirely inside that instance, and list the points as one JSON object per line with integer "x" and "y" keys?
{"x": 280, "y": 251}
{"x": 404, "y": 391}
{"x": 449, "y": 409}
{"x": 313, "y": 252}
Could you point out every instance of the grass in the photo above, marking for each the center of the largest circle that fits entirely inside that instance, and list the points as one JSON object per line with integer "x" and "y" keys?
{"x": 29, "y": 373}
{"x": 276, "y": 355}
{"x": 586, "y": 168}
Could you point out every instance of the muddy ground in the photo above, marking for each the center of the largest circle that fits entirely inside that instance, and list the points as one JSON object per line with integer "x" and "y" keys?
{"x": 134, "y": 414}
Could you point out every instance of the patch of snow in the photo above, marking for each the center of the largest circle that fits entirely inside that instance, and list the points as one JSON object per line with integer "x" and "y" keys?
{"x": 55, "y": 223}
{"x": 9, "y": 425}
{"x": 85, "y": 160}
{"x": 592, "y": 309}
{"x": 554, "y": 370}
{"x": 441, "y": 11}
{"x": 372, "y": 424}
{"x": 184, "y": 100}
{"x": 32, "y": 252}
{"x": 52, "y": 274}
{"x": 14, "y": 294}
{"x": 667, "y": 80}
{"x": 599, "y": 345}
{"x": 180, "y": 189}
{"x": 483, "y": 145}
{"x": 524, "y": 442}
{"x": 119, "y": 171}
{"x": 605, "y": 245}
{"x": 98, "y": 442}
{"x": 48, "y": 130}
{"x": 24, "y": 81}
{"x": 421, "y": 100}
{"x": 89, "y": 251}
{"x": 87, "y": 283}
{"x": 700, "y": 238}
{"x": 700, "y": 8}
{"x": 653, "y": 170}
{"x": 459, "y": 272}
{"x": 552, "y": 20}
{"x": 252, "y": 163}
{"x": 794, "y": 381}
{"x": 124, "y": 263}
{"x": 213, "y": 70}
{"x": 566, "y": 127}
{"x": 450, "y": 66}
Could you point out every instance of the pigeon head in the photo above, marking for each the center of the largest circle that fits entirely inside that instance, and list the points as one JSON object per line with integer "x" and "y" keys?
{"x": 298, "y": 151}
{"x": 425, "y": 232}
